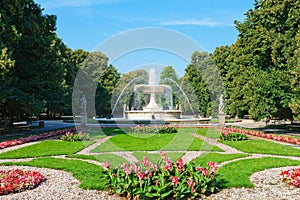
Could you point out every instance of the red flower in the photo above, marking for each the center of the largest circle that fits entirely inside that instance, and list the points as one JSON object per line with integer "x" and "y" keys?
{"x": 175, "y": 180}
{"x": 141, "y": 176}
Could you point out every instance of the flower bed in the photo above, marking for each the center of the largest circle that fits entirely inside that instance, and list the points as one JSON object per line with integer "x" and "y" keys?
{"x": 291, "y": 177}
{"x": 153, "y": 129}
{"x": 32, "y": 138}
{"x": 70, "y": 137}
{"x": 232, "y": 136}
{"x": 166, "y": 179}
{"x": 16, "y": 180}
{"x": 263, "y": 135}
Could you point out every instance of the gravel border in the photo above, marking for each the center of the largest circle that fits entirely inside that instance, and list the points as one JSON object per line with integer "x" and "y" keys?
{"x": 58, "y": 185}
{"x": 267, "y": 186}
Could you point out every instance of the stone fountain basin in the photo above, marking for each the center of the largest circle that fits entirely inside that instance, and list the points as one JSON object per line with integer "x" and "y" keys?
{"x": 155, "y": 114}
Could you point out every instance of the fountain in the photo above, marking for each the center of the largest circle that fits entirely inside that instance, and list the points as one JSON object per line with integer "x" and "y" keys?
{"x": 153, "y": 111}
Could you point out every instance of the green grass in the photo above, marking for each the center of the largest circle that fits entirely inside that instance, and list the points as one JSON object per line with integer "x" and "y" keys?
{"x": 99, "y": 133}
{"x": 204, "y": 158}
{"x": 210, "y": 133}
{"x": 113, "y": 159}
{"x": 236, "y": 174}
{"x": 88, "y": 174}
{"x": 46, "y": 148}
{"x": 155, "y": 157}
{"x": 263, "y": 147}
{"x": 152, "y": 142}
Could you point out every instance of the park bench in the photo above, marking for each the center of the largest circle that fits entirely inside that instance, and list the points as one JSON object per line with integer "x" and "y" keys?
{"x": 277, "y": 121}
{"x": 294, "y": 127}
{"x": 22, "y": 125}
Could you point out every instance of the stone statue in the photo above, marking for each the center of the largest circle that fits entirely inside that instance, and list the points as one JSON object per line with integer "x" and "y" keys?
{"x": 83, "y": 104}
{"x": 221, "y": 104}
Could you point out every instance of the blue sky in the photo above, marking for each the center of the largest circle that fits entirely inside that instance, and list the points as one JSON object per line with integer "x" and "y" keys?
{"x": 84, "y": 24}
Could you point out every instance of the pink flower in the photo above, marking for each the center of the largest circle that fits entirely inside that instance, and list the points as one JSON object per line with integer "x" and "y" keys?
{"x": 180, "y": 163}
{"x": 199, "y": 168}
{"x": 175, "y": 180}
{"x": 126, "y": 171}
{"x": 106, "y": 165}
{"x": 155, "y": 168}
{"x": 148, "y": 173}
{"x": 146, "y": 162}
{"x": 190, "y": 182}
{"x": 168, "y": 165}
{"x": 141, "y": 176}
{"x": 137, "y": 169}
{"x": 205, "y": 172}
{"x": 162, "y": 154}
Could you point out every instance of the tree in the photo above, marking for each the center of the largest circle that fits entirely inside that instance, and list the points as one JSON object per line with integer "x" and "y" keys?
{"x": 106, "y": 86}
{"x": 266, "y": 49}
{"x": 205, "y": 80}
{"x": 90, "y": 81}
{"x": 124, "y": 93}
{"x": 169, "y": 77}
{"x": 30, "y": 41}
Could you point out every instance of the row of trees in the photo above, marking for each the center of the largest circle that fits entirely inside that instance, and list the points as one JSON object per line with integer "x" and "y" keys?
{"x": 37, "y": 70}
{"x": 259, "y": 74}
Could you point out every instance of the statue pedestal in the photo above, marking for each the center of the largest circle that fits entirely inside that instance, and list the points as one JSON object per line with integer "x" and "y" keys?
{"x": 83, "y": 120}
{"x": 221, "y": 121}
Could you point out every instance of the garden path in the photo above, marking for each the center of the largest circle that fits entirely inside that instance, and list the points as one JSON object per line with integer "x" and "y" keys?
{"x": 98, "y": 142}
{"x": 214, "y": 141}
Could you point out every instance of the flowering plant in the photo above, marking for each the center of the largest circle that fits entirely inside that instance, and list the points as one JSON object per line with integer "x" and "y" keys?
{"x": 166, "y": 179}
{"x": 32, "y": 138}
{"x": 263, "y": 135}
{"x": 17, "y": 180}
{"x": 153, "y": 129}
{"x": 69, "y": 136}
{"x": 232, "y": 136}
{"x": 291, "y": 177}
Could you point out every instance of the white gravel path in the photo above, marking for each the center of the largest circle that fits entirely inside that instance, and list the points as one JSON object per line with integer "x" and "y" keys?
{"x": 59, "y": 185}
{"x": 267, "y": 186}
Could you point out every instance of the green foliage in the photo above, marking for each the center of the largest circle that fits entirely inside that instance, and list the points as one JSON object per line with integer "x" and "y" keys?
{"x": 71, "y": 137}
{"x": 260, "y": 71}
{"x": 169, "y": 77}
{"x": 233, "y": 136}
{"x": 166, "y": 179}
{"x": 124, "y": 91}
{"x": 46, "y": 148}
{"x": 153, "y": 129}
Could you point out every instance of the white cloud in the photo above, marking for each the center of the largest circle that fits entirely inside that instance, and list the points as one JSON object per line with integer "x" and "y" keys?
{"x": 203, "y": 22}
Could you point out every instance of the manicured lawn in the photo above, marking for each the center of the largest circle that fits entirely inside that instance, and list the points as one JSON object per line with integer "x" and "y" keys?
{"x": 263, "y": 147}
{"x": 155, "y": 157}
{"x": 88, "y": 174}
{"x": 204, "y": 158}
{"x": 236, "y": 174}
{"x": 46, "y": 148}
{"x": 98, "y": 132}
{"x": 151, "y": 142}
{"x": 113, "y": 159}
{"x": 209, "y": 132}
